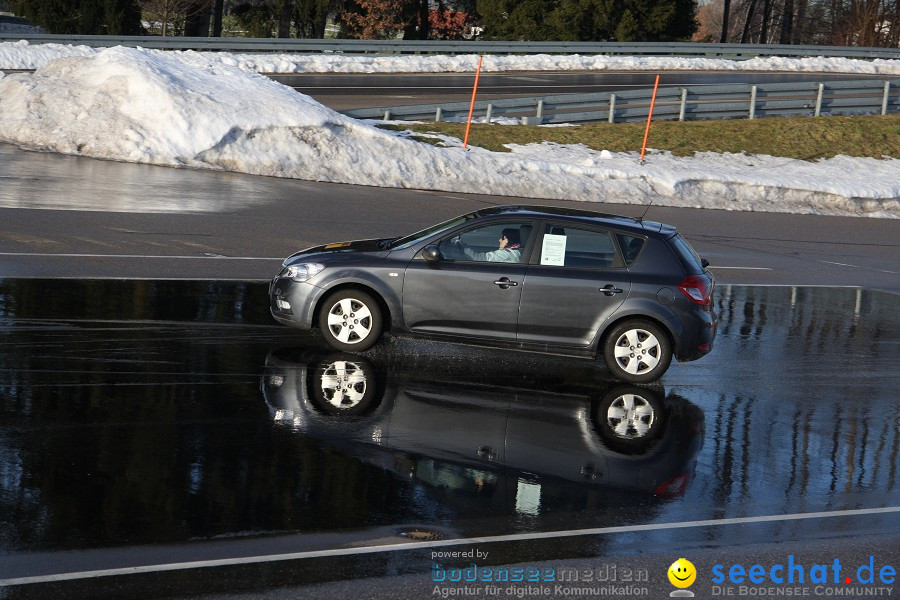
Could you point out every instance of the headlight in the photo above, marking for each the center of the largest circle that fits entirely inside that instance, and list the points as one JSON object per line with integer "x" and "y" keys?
{"x": 302, "y": 271}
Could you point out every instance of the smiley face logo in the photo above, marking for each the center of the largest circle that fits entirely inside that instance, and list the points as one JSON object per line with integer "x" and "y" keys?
{"x": 682, "y": 573}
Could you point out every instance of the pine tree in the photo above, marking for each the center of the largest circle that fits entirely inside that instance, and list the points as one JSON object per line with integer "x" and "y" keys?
{"x": 588, "y": 20}
{"x": 85, "y": 17}
{"x": 311, "y": 16}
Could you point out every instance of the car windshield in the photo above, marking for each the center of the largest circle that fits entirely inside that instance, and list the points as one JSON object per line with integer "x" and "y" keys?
{"x": 412, "y": 239}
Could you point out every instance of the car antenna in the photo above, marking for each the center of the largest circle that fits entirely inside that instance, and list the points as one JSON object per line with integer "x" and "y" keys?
{"x": 640, "y": 219}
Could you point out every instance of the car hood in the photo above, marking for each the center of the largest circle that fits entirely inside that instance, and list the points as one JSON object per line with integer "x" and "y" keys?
{"x": 335, "y": 248}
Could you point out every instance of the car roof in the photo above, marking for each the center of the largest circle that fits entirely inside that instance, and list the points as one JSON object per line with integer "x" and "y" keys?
{"x": 580, "y": 216}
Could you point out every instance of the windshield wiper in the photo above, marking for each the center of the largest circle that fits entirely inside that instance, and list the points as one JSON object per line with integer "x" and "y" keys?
{"x": 386, "y": 243}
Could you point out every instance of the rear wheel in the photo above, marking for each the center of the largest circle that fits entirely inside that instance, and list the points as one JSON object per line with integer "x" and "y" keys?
{"x": 637, "y": 351}
{"x": 350, "y": 320}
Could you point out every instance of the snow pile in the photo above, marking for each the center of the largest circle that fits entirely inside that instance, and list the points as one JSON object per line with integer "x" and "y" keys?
{"x": 336, "y": 63}
{"x": 22, "y": 55}
{"x": 136, "y": 105}
{"x": 188, "y": 110}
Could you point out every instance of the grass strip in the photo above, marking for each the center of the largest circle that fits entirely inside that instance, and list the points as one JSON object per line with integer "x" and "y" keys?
{"x": 805, "y": 138}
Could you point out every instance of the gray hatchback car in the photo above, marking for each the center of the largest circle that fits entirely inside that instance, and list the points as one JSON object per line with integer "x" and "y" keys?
{"x": 531, "y": 278}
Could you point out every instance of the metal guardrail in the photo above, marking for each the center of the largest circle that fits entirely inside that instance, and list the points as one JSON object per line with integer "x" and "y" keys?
{"x": 672, "y": 103}
{"x": 294, "y": 45}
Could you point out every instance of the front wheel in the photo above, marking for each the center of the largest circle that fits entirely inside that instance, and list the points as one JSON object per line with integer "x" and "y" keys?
{"x": 637, "y": 351}
{"x": 350, "y": 320}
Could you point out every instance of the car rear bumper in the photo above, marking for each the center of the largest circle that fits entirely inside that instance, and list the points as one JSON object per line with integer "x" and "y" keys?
{"x": 698, "y": 337}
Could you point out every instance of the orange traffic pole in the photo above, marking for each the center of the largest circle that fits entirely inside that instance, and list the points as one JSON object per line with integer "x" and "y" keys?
{"x": 649, "y": 119}
{"x": 472, "y": 104}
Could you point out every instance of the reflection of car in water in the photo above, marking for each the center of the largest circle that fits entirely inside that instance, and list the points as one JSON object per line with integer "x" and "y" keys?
{"x": 453, "y": 433}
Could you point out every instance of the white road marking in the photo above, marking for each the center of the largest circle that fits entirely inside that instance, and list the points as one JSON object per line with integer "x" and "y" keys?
{"x": 195, "y": 257}
{"x": 742, "y": 268}
{"x": 828, "y": 262}
{"x": 440, "y": 544}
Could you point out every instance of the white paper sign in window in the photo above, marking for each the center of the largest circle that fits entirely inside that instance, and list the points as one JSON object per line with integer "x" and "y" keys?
{"x": 554, "y": 250}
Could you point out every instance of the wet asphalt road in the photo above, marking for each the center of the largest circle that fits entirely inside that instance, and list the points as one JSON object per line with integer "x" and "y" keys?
{"x": 160, "y": 437}
{"x": 345, "y": 91}
{"x": 74, "y": 217}
{"x": 162, "y": 423}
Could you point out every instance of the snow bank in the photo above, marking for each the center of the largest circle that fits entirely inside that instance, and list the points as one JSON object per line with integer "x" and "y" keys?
{"x": 191, "y": 110}
{"x": 22, "y": 55}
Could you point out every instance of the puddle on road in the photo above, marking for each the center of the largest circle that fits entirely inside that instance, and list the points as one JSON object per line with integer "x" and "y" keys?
{"x": 47, "y": 180}
{"x": 136, "y": 412}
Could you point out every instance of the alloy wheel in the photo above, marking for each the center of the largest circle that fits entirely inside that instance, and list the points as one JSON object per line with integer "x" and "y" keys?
{"x": 637, "y": 351}
{"x": 630, "y": 416}
{"x": 344, "y": 384}
{"x": 350, "y": 321}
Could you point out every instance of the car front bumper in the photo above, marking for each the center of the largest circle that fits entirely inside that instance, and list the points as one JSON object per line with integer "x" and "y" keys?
{"x": 293, "y": 303}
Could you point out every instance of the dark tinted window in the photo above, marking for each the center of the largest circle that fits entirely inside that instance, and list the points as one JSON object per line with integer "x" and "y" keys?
{"x": 571, "y": 247}
{"x": 688, "y": 255}
{"x": 631, "y": 247}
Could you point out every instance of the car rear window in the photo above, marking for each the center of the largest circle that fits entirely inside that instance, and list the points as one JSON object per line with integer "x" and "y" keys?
{"x": 687, "y": 254}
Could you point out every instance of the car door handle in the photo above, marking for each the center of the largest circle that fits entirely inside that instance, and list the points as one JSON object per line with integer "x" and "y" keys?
{"x": 504, "y": 283}
{"x": 609, "y": 289}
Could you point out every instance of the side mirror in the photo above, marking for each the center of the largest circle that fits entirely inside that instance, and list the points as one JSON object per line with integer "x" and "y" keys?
{"x": 431, "y": 253}
{"x": 704, "y": 263}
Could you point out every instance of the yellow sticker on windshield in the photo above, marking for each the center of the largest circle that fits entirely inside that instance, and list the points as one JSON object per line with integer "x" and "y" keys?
{"x": 338, "y": 245}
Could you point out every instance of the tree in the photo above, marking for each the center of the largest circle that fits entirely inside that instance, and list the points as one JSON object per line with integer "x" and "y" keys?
{"x": 726, "y": 13}
{"x": 764, "y": 28}
{"x": 284, "y": 18}
{"x": 218, "y": 11}
{"x": 85, "y": 17}
{"x": 373, "y": 19}
{"x": 311, "y": 16}
{"x": 787, "y": 22}
{"x": 448, "y": 24}
{"x": 196, "y": 23}
{"x": 709, "y": 22}
{"x": 588, "y": 20}
{"x": 256, "y": 18}
{"x": 838, "y": 22}
{"x": 177, "y": 17}
{"x": 123, "y": 17}
{"x": 416, "y": 17}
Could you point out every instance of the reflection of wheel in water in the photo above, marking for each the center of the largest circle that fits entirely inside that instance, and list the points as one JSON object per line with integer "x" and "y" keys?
{"x": 629, "y": 417}
{"x": 344, "y": 385}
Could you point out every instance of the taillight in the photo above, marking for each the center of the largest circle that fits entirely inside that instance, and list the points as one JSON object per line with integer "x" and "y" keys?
{"x": 674, "y": 487}
{"x": 697, "y": 288}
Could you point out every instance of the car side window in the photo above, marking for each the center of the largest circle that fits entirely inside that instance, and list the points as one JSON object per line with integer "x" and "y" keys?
{"x": 573, "y": 247}
{"x": 631, "y": 247}
{"x": 497, "y": 242}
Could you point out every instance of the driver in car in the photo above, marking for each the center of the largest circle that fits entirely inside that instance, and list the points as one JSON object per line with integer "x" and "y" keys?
{"x": 510, "y": 249}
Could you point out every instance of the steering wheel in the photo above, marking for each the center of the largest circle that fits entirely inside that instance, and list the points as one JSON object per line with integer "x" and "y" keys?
{"x": 453, "y": 250}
